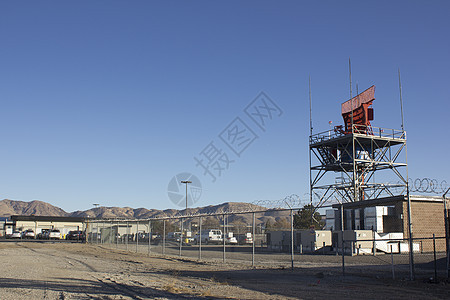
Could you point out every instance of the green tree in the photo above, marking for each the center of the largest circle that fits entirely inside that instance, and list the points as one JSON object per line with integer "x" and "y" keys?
{"x": 280, "y": 224}
{"x": 210, "y": 223}
{"x": 158, "y": 227}
{"x": 305, "y": 219}
{"x": 269, "y": 225}
{"x": 239, "y": 227}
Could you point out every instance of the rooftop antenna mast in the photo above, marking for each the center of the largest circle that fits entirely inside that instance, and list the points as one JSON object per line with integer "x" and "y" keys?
{"x": 310, "y": 164}
{"x": 401, "y": 101}
{"x": 350, "y": 76}
{"x": 310, "y": 109}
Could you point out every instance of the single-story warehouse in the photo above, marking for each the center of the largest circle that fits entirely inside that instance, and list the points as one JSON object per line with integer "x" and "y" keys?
{"x": 37, "y": 223}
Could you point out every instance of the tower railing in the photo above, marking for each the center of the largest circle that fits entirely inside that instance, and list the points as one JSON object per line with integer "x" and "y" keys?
{"x": 338, "y": 131}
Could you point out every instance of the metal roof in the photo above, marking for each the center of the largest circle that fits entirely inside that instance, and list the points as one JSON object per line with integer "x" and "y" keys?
{"x": 46, "y": 218}
{"x": 388, "y": 201}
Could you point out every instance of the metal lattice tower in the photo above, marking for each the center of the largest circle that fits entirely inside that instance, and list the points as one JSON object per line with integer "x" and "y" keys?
{"x": 356, "y": 161}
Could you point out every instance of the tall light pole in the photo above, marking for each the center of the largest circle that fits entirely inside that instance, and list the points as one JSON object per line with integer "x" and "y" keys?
{"x": 186, "y": 182}
{"x": 446, "y": 231}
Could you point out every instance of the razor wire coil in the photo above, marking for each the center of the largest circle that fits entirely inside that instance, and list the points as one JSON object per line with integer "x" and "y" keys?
{"x": 427, "y": 185}
{"x": 291, "y": 201}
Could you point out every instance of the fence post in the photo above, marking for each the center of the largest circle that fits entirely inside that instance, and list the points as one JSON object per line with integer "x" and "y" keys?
{"x": 447, "y": 248}
{"x": 102, "y": 238}
{"x": 434, "y": 256}
{"x": 111, "y": 239}
{"x": 89, "y": 232}
{"x": 149, "y": 236}
{"x": 117, "y": 234}
{"x": 127, "y": 235}
{"x": 292, "y": 239}
{"x": 392, "y": 263}
{"x": 164, "y": 238}
{"x": 137, "y": 235}
{"x": 374, "y": 243}
{"x": 200, "y": 239}
{"x": 253, "y": 241}
{"x": 181, "y": 235}
{"x": 224, "y": 237}
{"x": 105, "y": 241}
{"x": 410, "y": 236}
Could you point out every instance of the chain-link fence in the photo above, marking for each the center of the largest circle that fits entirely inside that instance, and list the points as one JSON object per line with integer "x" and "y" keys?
{"x": 272, "y": 238}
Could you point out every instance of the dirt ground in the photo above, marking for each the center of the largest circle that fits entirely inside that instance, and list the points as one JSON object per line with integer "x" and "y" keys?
{"x": 33, "y": 270}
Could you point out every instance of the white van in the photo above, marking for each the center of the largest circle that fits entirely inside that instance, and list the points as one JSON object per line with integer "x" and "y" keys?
{"x": 209, "y": 236}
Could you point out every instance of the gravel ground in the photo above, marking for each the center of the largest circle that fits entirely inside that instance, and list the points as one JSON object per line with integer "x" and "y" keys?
{"x": 33, "y": 270}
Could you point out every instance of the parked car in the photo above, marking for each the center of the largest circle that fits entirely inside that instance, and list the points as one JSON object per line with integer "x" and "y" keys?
{"x": 43, "y": 234}
{"x": 127, "y": 237}
{"x": 174, "y": 236}
{"x": 15, "y": 235}
{"x": 156, "y": 236}
{"x": 54, "y": 234}
{"x": 142, "y": 237}
{"x": 77, "y": 235}
{"x": 28, "y": 234}
{"x": 231, "y": 240}
{"x": 244, "y": 239}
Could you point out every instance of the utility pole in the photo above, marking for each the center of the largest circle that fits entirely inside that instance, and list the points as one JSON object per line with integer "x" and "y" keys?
{"x": 186, "y": 182}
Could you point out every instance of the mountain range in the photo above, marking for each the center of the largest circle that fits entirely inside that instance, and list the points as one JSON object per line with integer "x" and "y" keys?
{"x": 40, "y": 208}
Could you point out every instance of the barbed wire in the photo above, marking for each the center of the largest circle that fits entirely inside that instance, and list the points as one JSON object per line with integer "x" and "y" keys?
{"x": 427, "y": 185}
{"x": 291, "y": 201}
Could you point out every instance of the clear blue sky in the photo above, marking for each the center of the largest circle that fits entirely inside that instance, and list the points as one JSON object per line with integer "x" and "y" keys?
{"x": 105, "y": 101}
